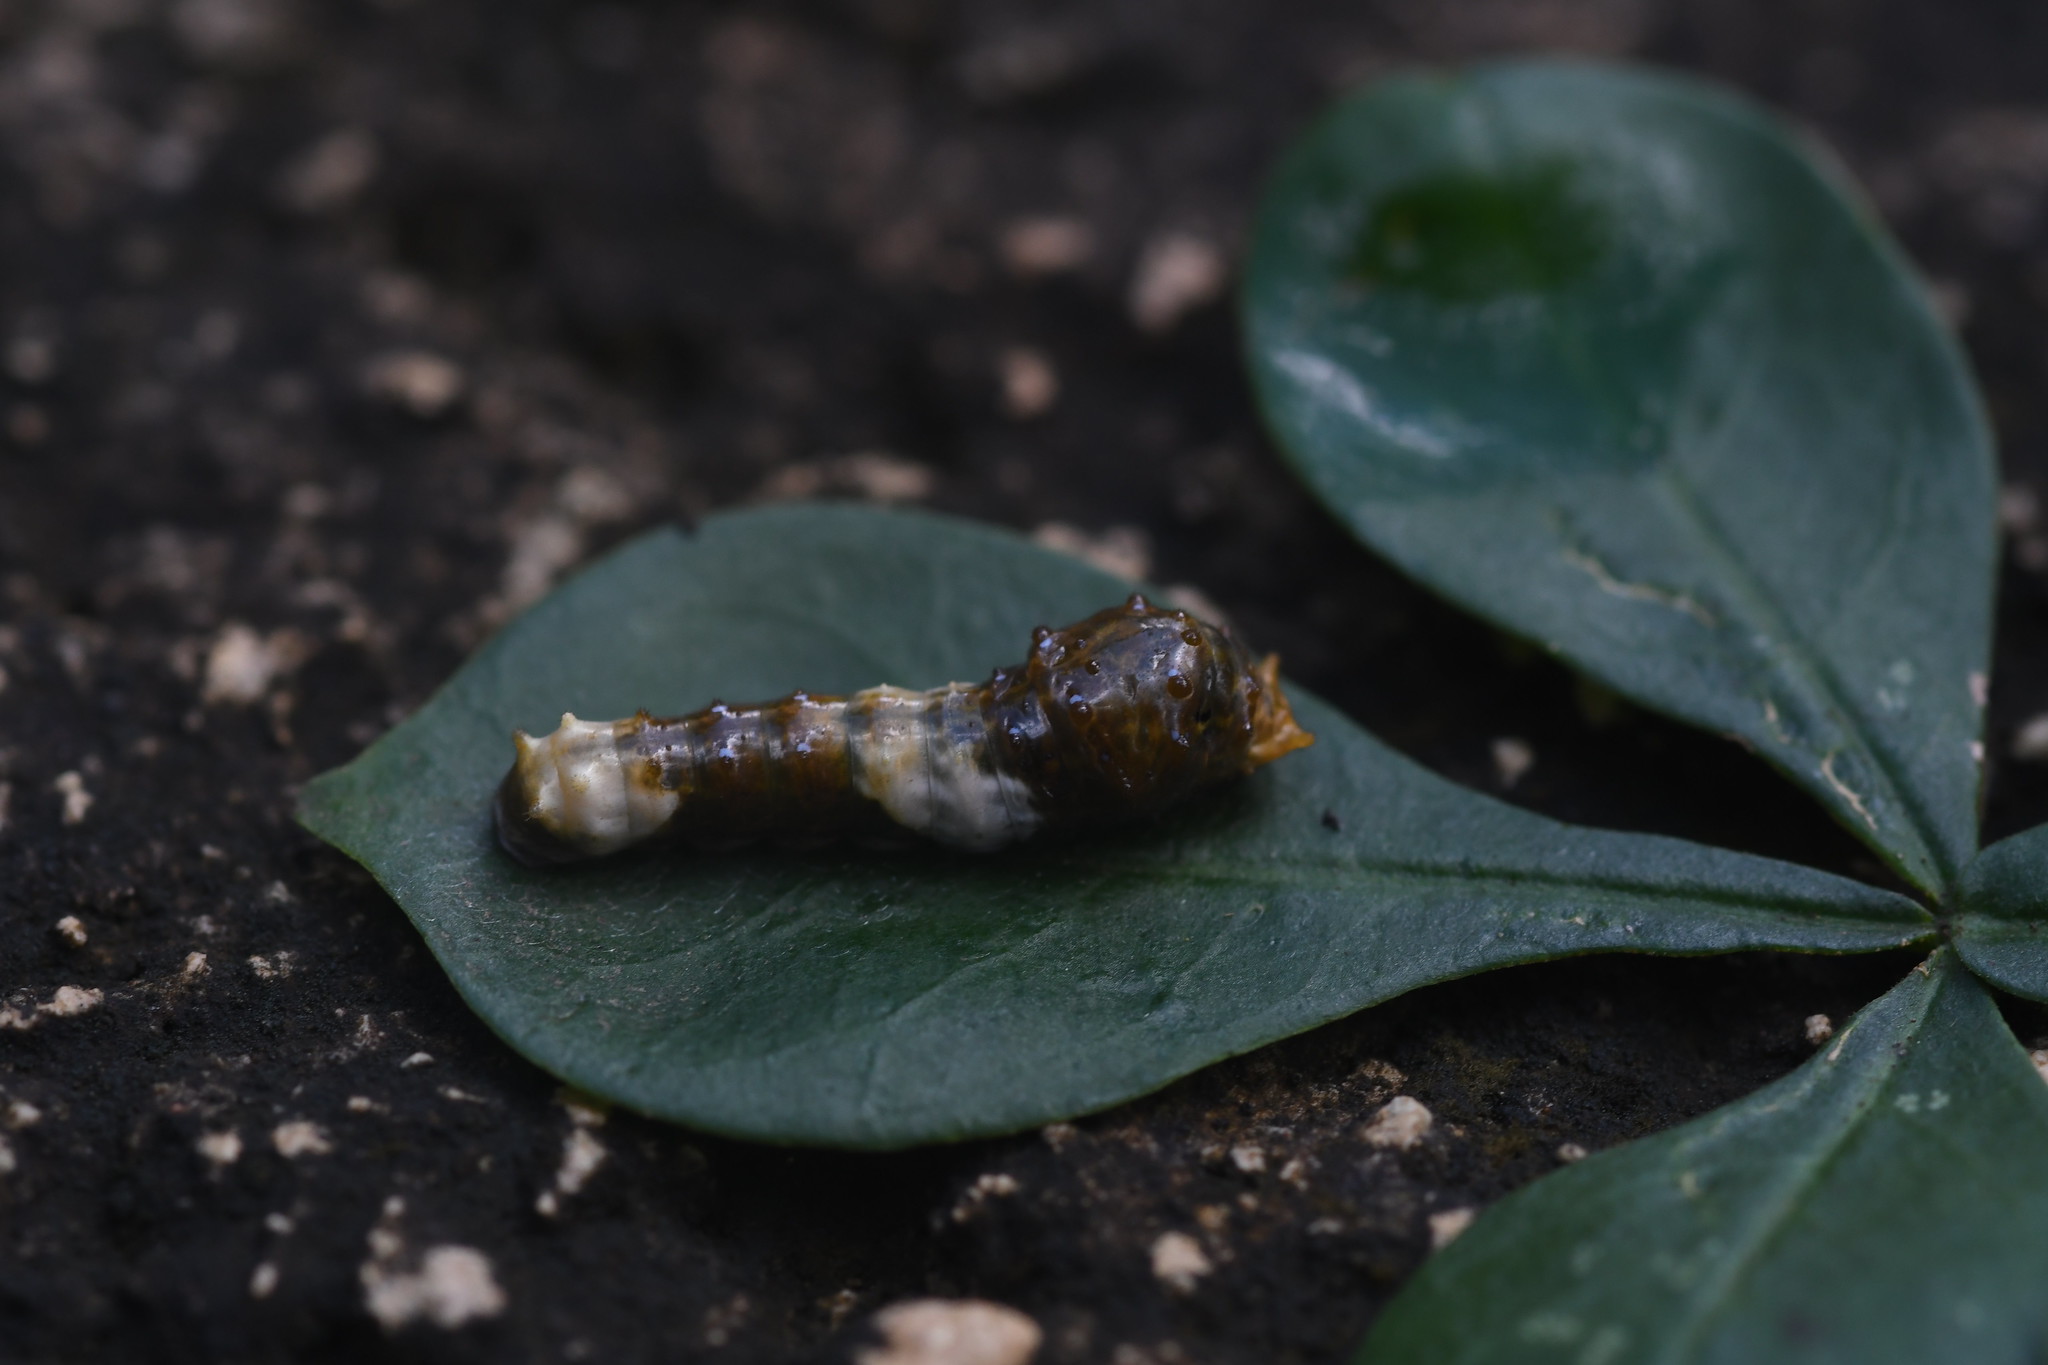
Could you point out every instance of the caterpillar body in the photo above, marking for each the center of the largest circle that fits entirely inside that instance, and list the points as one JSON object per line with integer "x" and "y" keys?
{"x": 1120, "y": 715}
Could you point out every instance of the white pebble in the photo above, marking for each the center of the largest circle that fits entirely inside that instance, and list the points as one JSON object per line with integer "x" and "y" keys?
{"x": 453, "y": 1285}
{"x": 22, "y": 1114}
{"x": 1177, "y": 273}
{"x": 1819, "y": 1028}
{"x": 1046, "y": 246}
{"x": 77, "y": 800}
{"x": 300, "y": 1137}
{"x": 242, "y": 664}
{"x": 1569, "y": 1152}
{"x": 2030, "y": 744}
{"x": 422, "y": 383}
{"x": 952, "y": 1332}
{"x": 1401, "y": 1122}
{"x": 1444, "y": 1227}
{"x": 1179, "y": 1262}
{"x": 263, "y": 1280}
{"x": 223, "y": 1148}
{"x": 1030, "y": 384}
{"x": 72, "y": 930}
{"x": 1125, "y": 551}
{"x": 1248, "y": 1159}
{"x": 582, "y": 1155}
{"x": 1512, "y": 759}
{"x": 73, "y": 1000}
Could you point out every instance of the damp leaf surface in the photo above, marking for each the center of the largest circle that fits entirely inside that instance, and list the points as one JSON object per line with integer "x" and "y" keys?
{"x": 1884, "y": 1203}
{"x": 2002, "y": 932}
{"x": 874, "y": 999}
{"x": 1617, "y": 362}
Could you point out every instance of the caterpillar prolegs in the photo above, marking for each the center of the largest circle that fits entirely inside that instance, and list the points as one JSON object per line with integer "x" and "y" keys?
{"x": 1122, "y": 715}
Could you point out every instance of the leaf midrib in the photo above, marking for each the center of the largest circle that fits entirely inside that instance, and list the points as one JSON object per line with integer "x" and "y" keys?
{"x": 1855, "y": 1108}
{"x": 1754, "y": 599}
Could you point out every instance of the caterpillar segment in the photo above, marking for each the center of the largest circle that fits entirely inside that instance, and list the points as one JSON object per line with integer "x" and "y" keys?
{"x": 1118, "y": 717}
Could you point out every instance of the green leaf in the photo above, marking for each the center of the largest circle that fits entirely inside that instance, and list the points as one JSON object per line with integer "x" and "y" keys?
{"x": 1610, "y": 359}
{"x": 865, "y": 999}
{"x": 2003, "y": 930}
{"x": 1885, "y": 1202}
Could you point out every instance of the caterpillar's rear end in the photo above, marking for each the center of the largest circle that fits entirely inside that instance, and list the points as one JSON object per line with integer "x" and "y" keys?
{"x": 1121, "y": 716}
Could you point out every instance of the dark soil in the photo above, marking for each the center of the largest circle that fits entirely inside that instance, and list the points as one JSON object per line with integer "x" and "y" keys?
{"x": 666, "y": 259}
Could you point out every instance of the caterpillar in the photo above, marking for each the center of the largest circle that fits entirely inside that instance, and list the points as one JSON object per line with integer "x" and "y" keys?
{"x": 1118, "y": 716}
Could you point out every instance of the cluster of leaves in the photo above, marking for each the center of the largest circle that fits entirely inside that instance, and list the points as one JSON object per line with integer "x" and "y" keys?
{"x": 1610, "y": 360}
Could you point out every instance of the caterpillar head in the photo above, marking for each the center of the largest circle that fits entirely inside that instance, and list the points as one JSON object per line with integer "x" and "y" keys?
{"x": 1157, "y": 700}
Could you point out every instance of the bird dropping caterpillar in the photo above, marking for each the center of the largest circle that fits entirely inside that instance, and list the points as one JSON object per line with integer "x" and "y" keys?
{"x": 1120, "y": 716}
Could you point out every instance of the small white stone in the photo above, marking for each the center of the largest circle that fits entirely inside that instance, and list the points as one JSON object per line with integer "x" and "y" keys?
{"x": 2030, "y": 744}
{"x": 1819, "y": 1028}
{"x": 988, "y": 1185}
{"x": 2039, "y": 1057}
{"x": 7, "y": 1161}
{"x": 77, "y": 800}
{"x": 242, "y": 663}
{"x": 582, "y": 1154}
{"x": 422, "y": 383}
{"x": 300, "y": 1137}
{"x": 453, "y": 1285}
{"x": 1046, "y": 246}
{"x": 1569, "y": 1152}
{"x": 72, "y": 930}
{"x": 73, "y": 1000}
{"x": 875, "y": 475}
{"x": 272, "y": 968}
{"x": 1512, "y": 759}
{"x": 584, "y": 1111}
{"x": 1444, "y": 1227}
{"x": 279, "y": 1223}
{"x": 195, "y": 966}
{"x": 1401, "y": 1122}
{"x": 952, "y": 1332}
{"x": 22, "y": 1114}
{"x": 223, "y": 1148}
{"x": 418, "y": 1059}
{"x": 1125, "y": 551}
{"x": 1248, "y": 1159}
{"x": 263, "y": 1280}
{"x": 1177, "y": 273}
{"x": 1179, "y": 1262}
{"x": 363, "y": 1104}
{"x": 1059, "y": 1135}
{"x": 1030, "y": 384}
{"x": 2019, "y": 509}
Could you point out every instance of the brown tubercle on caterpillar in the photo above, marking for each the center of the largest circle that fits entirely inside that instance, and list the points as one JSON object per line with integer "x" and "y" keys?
{"x": 1119, "y": 716}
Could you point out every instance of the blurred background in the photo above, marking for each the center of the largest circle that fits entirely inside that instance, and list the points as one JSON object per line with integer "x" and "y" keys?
{"x": 333, "y": 334}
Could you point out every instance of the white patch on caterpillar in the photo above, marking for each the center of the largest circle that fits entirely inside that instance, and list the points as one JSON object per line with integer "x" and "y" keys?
{"x": 581, "y": 789}
{"x": 923, "y": 756}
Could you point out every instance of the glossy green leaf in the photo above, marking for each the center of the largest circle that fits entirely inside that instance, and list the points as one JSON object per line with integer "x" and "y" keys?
{"x": 2003, "y": 930}
{"x": 870, "y": 999}
{"x": 1609, "y": 358}
{"x": 1887, "y": 1202}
